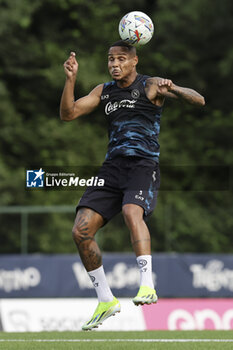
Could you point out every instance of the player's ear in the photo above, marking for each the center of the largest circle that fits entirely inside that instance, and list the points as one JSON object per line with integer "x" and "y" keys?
{"x": 135, "y": 60}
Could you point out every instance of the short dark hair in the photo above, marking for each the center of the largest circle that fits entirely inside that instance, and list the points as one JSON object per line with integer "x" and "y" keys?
{"x": 122, "y": 43}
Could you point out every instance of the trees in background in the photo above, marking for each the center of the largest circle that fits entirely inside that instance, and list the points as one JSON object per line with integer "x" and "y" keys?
{"x": 191, "y": 45}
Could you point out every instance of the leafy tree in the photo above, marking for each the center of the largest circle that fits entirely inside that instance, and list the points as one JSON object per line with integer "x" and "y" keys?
{"x": 190, "y": 46}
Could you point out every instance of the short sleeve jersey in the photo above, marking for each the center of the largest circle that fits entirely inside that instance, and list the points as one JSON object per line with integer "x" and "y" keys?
{"x": 133, "y": 120}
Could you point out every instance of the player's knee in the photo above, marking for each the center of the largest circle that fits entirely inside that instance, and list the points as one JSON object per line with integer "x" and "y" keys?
{"x": 132, "y": 214}
{"x": 86, "y": 224}
{"x": 76, "y": 233}
{"x": 80, "y": 230}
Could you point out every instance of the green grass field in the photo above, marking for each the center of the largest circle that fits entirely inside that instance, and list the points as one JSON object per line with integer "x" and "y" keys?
{"x": 97, "y": 340}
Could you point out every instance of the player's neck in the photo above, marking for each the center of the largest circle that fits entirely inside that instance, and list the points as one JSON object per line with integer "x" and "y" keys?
{"x": 127, "y": 81}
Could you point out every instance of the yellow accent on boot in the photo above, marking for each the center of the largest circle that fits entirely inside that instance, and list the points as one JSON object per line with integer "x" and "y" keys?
{"x": 146, "y": 295}
{"x": 102, "y": 312}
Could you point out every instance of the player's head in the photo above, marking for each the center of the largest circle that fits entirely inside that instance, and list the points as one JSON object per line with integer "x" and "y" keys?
{"x": 130, "y": 49}
{"x": 122, "y": 59}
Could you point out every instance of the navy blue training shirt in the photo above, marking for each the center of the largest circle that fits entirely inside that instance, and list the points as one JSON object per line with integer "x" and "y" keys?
{"x": 133, "y": 120}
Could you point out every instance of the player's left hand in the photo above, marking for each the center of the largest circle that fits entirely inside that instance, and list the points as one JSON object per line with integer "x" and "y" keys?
{"x": 165, "y": 85}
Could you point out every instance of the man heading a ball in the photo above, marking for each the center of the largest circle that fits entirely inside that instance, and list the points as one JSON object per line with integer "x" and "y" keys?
{"x": 132, "y": 104}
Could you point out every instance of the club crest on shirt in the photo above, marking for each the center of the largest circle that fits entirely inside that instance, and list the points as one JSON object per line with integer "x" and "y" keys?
{"x": 135, "y": 93}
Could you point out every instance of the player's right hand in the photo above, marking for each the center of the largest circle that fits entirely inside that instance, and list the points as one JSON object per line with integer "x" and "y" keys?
{"x": 71, "y": 66}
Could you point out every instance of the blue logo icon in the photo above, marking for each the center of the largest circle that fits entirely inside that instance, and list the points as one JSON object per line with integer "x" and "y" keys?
{"x": 35, "y": 178}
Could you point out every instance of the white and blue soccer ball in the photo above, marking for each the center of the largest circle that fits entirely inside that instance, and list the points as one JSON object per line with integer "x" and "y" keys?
{"x": 136, "y": 28}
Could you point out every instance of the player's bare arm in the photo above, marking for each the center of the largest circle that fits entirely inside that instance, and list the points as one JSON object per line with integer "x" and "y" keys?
{"x": 158, "y": 89}
{"x": 69, "y": 108}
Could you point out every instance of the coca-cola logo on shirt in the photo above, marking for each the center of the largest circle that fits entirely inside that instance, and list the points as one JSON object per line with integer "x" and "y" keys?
{"x": 112, "y": 107}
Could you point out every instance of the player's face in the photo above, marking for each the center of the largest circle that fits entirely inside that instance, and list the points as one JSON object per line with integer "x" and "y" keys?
{"x": 121, "y": 63}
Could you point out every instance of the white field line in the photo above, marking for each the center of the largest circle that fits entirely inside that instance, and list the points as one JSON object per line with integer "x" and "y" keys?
{"x": 120, "y": 340}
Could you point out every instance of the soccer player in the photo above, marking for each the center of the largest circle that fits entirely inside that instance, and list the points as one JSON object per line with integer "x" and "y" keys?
{"x": 132, "y": 104}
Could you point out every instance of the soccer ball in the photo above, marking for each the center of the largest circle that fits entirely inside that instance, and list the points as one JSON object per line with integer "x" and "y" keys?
{"x": 136, "y": 28}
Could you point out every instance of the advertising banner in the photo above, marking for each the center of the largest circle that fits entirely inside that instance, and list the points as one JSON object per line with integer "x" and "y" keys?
{"x": 60, "y": 276}
{"x": 189, "y": 314}
{"x": 36, "y": 315}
